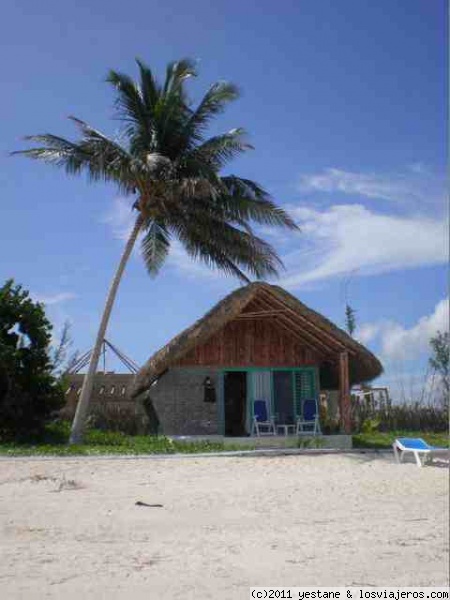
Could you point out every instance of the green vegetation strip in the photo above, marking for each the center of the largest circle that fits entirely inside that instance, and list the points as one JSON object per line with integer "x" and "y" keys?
{"x": 377, "y": 440}
{"x": 54, "y": 438}
{"x": 53, "y": 442}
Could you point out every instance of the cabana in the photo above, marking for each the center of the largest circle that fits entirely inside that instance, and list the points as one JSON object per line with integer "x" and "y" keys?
{"x": 258, "y": 343}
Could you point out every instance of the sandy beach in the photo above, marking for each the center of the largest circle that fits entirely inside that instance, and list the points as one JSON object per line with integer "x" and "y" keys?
{"x": 71, "y": 528}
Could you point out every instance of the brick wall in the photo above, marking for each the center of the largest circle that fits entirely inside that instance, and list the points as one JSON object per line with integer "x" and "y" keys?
{"x": 178, "y": 398}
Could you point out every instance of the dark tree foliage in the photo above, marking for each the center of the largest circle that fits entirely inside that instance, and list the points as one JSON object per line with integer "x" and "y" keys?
{"x": 440, "y": 361}
{"x": 29, "y": 392}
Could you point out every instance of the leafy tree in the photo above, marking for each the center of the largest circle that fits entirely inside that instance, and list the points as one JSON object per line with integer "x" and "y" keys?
{"x": 440, "y": 361}
{"x": 163, "y": 159}
{"x": 28, "y": 390}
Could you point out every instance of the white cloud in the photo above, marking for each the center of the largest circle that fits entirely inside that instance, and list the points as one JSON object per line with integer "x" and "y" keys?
{"x": 367, "y": 332}
{"x": 52, "y": 299}
{"x": 416, "y": 185}
{"x": 404, "y": 353}
{"x": 346, "y": 238}
{"x": 399, "y": 343}
{"x": 120, "y": 218}
{"x": 337, "y": 180}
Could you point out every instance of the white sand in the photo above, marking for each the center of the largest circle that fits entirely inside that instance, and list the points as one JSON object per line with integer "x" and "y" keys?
{"x": 226, "y": 524}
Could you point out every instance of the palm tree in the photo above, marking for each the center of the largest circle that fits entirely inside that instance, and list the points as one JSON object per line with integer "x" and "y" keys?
{"x": 163, "y": 159}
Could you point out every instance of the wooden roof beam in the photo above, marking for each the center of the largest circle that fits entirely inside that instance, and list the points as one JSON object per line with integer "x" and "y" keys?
{"x": 306, "y": 337}
{"x": 297, "y": 337}
{"x": 259, "y": 314}
{"x": 310, "y": 337}
{"x": 332, "y": 340}
{"x": 292, "y": 328}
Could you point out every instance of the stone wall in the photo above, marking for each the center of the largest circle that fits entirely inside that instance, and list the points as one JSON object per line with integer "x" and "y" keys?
{"x": 110, "y": 389}
{"x": 178, "y": 398}
{"x": 111, "y": 406}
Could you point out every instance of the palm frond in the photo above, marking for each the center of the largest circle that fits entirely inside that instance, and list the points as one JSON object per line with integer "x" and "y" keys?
{"x": 176, "y": 74}
{"x": 198, "y": 189}
{"x": 213, "y": 103}
{"x": 95, "y": 154}
{"x": 212, "y": 255}
{"x": 57, "y": 151}
{"x": 155, "y": 246}
{"x": 139, "y": 125}
{"x": 204, "y": 232}
{"x": 245, "y": 199}
{"x": 250, "y": 251}
{"x": 150, "y": 89}
{"x": 108, "y": 159}
{"x": 220, "y": 149}
{"x": 93, "y": 138}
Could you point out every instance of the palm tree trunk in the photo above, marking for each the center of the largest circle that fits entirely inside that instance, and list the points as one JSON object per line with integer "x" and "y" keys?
{"x": 76, "y": 434}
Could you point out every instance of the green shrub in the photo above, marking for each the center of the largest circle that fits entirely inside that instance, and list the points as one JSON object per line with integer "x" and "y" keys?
{"x": 116, "y": 418}
{"x": 415, "y": 416}
{"x": 29, "y": 392}
{"x": 370, "y": 425}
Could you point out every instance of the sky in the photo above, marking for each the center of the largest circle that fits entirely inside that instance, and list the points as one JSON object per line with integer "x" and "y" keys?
{"x": 345, "y": 105}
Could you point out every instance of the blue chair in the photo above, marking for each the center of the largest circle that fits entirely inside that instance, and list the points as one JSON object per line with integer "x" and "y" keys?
{"x": 309, "y": 421}
{"x": 418, "y": 447}
{"x": 262, "y": 424}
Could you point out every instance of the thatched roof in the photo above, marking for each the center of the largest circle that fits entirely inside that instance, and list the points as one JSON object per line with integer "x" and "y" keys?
{"x": 286, "y": 310}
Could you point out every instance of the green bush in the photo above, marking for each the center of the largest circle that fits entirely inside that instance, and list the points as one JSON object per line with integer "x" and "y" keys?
{"x": 370, "y": 425}
{"x": 415, "y": 416}
{"x": 29, "y": 392}
{"x": 52, "y": 440}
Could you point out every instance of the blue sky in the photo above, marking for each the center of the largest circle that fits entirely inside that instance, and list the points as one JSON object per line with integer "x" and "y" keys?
{"x": 345, "y": 103}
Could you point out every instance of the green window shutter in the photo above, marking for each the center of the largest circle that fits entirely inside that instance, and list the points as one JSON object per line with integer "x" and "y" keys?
{"x": 305, "y": 387}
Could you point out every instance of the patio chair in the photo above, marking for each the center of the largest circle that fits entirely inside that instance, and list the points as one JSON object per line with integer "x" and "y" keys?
{"x": 262, "y": 424}
{"x": 309, "y": 421}
{"x": 419, "y": 448}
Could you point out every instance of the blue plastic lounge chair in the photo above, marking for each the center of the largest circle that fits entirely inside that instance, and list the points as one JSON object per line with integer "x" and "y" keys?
{"x": 419, "y": 448}
{"x": 309, "y": 421}
{"x": 262, "y": 423}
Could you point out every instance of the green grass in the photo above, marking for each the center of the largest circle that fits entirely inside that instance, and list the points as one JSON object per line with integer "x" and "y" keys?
{"x": 53, "y": 442}
{"x": 96, "y": 442}
{"x": 137, "y": 445}
{"x": 384, "y": 440}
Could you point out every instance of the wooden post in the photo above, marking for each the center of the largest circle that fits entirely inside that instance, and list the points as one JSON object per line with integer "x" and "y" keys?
{"x": 344, "y": 395}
